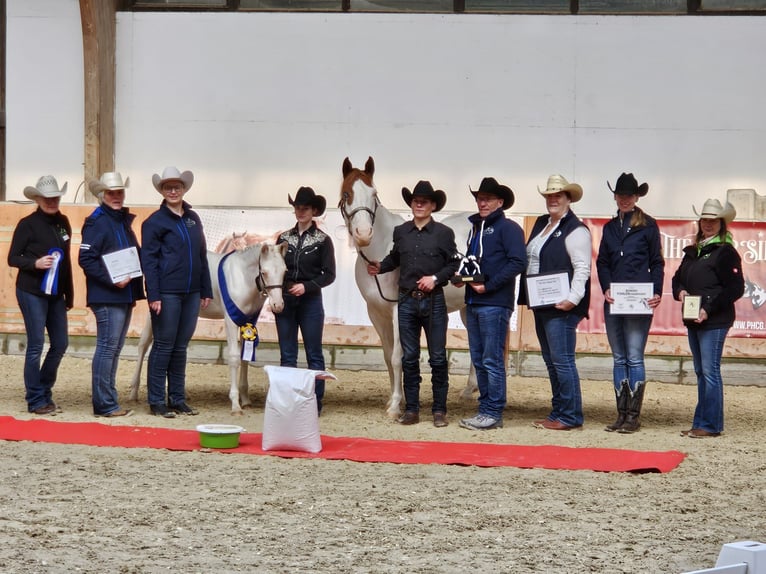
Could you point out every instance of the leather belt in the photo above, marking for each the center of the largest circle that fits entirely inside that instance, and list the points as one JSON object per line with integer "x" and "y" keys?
{"x": 417, "y": 293}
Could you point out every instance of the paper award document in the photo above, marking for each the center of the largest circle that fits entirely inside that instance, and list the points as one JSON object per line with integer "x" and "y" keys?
{"x": 691, "y": 307}
{"x": 547, "y": 289}
{"x": 631, "y": 298}
{"x": 123, "y": 264}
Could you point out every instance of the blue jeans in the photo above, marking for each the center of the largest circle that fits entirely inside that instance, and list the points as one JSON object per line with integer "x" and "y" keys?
{"x": 42, "y": 314}
{"x": 557, "y": 334}
{"x": 487, "y": 327}
{"x": 627, "y": 336}
{"x": 307, "y": 314}
{"x": 172, "y": 329}
{"x": 707, "y": 348}
{"x": 430, "y": 315}
{"x": 112, "y": 322}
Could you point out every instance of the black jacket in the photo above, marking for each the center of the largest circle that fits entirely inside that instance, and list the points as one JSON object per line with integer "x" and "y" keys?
{"x": 33, "y": 238}
{"x": 310, "y": 258}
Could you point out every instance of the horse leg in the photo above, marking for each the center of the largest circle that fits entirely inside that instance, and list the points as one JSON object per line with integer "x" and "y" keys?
{"x": 233, "y": 358}
{"x": 471, "y": 386}
{"x": 244, "y": 390}
{"x": 397, "y": 381}
{"x": 384, "y": 319}
{"x": 143, "y": 345}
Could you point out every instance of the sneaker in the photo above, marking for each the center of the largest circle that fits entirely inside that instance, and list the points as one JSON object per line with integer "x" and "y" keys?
{"x": 183, "y": 409}
{"x": 481, "y": 422}
{"x": 161, "y": 411}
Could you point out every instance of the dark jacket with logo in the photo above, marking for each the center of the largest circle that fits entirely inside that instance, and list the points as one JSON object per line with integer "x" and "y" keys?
{"x": 310, "y": 258}
{"x": 107, "y": 230}
{"x": 174, "y": 254}
{"x": 35, "y": 235}
{"x": 715, "y": 273}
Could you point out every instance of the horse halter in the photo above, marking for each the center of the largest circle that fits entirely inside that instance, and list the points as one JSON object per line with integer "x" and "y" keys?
{"x": 347, "y": 217}
{"x": 260, "y": 283}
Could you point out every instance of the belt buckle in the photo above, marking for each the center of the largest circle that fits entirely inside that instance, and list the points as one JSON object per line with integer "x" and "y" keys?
{"x": 419, "y": 295}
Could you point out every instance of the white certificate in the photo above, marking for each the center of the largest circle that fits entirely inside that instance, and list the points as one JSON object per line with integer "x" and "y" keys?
{"x": 631, "y": 298}
{"x": 123, "y": 264}
{"x": 547, "y": 289}
{"x": 691, "y": 307}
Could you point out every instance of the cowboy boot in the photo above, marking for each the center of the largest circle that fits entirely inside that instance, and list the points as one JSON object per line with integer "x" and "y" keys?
{"x": 632, "y": 424}
{"x": 622, "y": 394}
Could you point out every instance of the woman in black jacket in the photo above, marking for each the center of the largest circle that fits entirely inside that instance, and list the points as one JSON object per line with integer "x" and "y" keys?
{"x": 44, "y": 289}
{"x": 630, "y": 252}
{"x": 712, "y": 271}
{"x": 107, "y": 231}
{"x": 310, "y": 260}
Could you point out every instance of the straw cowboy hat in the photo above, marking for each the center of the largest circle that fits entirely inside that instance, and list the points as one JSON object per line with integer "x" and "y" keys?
{"x": 628, "y": 185}
{"x": 490, "y": 185}
{"x": 425, "y": 189}
{"x": 712, "y": 209}
{"x": 558, "y": 183}
{"x": 109, "y": 180}
{"x": 172, "y": 174}
{"x": 306, "y": 196}
{"x": 46, "y": 186}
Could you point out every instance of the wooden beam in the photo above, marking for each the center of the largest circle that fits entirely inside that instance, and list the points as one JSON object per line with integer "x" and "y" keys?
{"x": 98, "y": 38}
{"x": 3, "y": 41}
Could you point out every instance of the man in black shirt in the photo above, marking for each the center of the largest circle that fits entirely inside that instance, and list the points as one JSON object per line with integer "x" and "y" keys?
{"x": 425, "y": 251}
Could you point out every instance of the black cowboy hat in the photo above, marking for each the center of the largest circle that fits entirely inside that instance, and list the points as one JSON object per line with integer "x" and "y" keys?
{"x": 306, "y": 196}
{"x": 628, "y": 185}
{"x": 490, "y": 185}
{"x": 425, "y": 189}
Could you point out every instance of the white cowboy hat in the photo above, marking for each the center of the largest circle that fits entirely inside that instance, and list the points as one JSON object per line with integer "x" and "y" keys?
{"x": 109, "y": 180}
{"x": 712, "y": 209}
{"x": 557, "y": 183}
{"x": 46, "y": 186}
{"x": 172, "y": 174}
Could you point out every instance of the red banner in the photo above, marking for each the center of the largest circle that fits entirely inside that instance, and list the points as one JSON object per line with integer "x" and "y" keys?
{"x": 750, "y": 240}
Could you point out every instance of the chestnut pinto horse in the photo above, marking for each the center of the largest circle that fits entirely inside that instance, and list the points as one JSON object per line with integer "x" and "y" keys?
{"x": 371, "y": 227}
{"x": 252, "y": 275}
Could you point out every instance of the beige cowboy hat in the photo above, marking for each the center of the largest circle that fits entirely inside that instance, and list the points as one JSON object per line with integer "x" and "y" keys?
{"x": 712, "y": 209}
{"x": 172, "y": 174}
{"x": 557, "y": 183}
{"x": 46, "y": 186}
{"x": 109, "y": 180}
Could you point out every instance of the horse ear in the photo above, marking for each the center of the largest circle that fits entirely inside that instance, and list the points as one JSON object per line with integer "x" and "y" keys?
{"x": 283, "y": 248}
{"x": 369, "y": 167}
{"x": 346, "y": 167}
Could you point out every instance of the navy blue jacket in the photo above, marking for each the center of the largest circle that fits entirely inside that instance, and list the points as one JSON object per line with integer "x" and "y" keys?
{"x": 107, "y": 230}
{"x": 503, "y": 257}
{"x": 174, "y": 254}
{"x": 630, "y": 254}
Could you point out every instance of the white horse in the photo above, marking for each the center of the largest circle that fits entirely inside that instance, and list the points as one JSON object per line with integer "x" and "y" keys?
{"x": 252, "y": 275}
{"x": 371, "y": 227}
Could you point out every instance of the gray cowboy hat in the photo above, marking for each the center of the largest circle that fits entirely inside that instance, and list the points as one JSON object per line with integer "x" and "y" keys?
{"x": 712, "y": 209}
{"x": 490, "y": 185}
{"x": 424, "y": 188}
{"x": 46, "y": 186}
{"x": 306, "y": 196}
{"x": 627, "y": 184}
{"x": 558, "y": 183}
{"x": 172, "y": 174}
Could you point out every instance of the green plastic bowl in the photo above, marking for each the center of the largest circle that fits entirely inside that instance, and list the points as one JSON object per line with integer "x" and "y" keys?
{"x": 219, "y": 436}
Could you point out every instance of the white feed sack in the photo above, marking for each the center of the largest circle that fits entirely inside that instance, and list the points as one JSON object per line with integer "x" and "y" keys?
{"x": 290, "y": 418}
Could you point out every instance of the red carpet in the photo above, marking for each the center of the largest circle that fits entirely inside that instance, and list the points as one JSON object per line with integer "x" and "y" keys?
{"x": 355, "y": 449}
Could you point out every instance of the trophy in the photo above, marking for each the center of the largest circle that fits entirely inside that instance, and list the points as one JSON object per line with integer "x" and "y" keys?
{"x": 469, "y": 271}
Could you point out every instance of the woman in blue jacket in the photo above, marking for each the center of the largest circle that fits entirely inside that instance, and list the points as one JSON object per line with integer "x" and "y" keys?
{"x": 630, "y": 252}
{"x": 174, "y": 261}
{"x": 108, "y": 230}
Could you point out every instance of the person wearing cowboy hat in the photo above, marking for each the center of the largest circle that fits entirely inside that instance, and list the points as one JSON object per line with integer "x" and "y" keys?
{"x": 424, "y": 251}
{"x": 178, "y": 285}
{"x": 310, "y": 260}
{"x": 108, "y": 229}
{"x": 40, "y": 249}
{"x": 560, "y": 242}
{"x": 495, "y": 250}
{"x": 711, "y": 269}
{"x": 630, "y": 252}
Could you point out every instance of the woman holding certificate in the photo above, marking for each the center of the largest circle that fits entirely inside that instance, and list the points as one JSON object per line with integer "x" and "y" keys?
{"x": 107, "y": 239}
{"x": 559, "y": 246}
{"x": 631, "y": 270}
{"x": 708, "y": 282}
{"x": 44, "y": 289}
